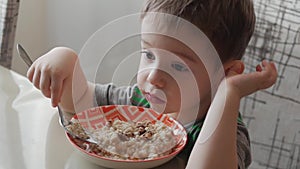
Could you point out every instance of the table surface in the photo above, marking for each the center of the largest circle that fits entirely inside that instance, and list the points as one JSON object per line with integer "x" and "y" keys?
{"x": 31, "y": 137}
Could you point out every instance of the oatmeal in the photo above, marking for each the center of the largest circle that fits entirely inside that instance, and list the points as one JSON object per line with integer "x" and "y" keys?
{"x": 132, "y": 140}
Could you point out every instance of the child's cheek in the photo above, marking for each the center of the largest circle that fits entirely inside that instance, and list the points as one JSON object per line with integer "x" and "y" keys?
{"x": 141, "y": 78}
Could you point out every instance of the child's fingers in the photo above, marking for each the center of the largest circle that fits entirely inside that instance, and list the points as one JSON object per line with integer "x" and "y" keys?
{"x": 56, "y": 89}
{"x": 273, "y": 65}
{"x": 266, "y": 66}
{"x": 262, "y": 66}
{"x": 269, "y": 67}
{"x": 273, "y": 72}
{"x": 45, "y": 85}
{"x": 36, "y": 78}
{"x": 264, "y": 63}
{"x": 269, "y": 74}
{"x": 30, "y": 73}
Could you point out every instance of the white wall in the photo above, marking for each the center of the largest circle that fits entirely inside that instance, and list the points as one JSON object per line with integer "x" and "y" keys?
{"x": 43, "y": 25}
{"x": 31, "y": 31}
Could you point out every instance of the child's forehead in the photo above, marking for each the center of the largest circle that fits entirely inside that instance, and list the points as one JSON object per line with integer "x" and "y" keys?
{"x": 162, "y": 42}
{"x": 167, "y": 25}
{"x": 161, "y": 29}
{"x": 168, "y": 32}
{"x": 178, "y": 30}
{"x": 175, "y": 39}
{"x": 159, "y": 40}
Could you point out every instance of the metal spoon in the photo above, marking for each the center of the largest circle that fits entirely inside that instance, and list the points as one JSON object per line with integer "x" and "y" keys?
{"x": 63, "y": 122}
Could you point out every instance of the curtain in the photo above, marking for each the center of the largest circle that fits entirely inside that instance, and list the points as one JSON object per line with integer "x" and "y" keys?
{"x": 273, "y": 115}
{"x": 8, "y": 21}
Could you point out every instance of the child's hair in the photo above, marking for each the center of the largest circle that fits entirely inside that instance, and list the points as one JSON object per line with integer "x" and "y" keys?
{"x": 229, "y": 24}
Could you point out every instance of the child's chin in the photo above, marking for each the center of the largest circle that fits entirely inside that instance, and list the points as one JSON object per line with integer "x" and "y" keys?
{"x": 158, "y": 107}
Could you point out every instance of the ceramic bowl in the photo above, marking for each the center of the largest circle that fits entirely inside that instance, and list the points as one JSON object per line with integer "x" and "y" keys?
{"x": 97, "y": 118}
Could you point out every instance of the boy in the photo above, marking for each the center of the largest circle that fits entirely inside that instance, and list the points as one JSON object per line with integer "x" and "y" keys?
{"x": 179, "y": 74}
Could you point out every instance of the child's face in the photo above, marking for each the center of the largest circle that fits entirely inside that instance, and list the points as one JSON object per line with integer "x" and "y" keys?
{"x": 179, "y": 69}
{"x": 172, "y": 77}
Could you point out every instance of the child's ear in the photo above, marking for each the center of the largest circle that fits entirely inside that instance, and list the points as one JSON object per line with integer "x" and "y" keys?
{"x": 234, "y": 67}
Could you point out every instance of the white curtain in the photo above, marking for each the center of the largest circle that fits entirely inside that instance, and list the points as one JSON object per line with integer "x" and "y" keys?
{"x": 273, "y": 115}
{"x": 8, "y": 21}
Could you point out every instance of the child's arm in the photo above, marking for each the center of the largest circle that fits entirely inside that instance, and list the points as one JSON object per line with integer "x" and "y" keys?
{"x": 53, "y": 73}
{"x": 216, "y": 144}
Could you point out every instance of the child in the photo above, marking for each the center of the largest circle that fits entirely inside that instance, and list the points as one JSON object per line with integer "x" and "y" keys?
{"x": 168, "y": 72}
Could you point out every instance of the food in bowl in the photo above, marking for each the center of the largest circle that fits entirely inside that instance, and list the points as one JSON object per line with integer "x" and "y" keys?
{"x": 117, "y": 118}
{"x": 129, "y": 140}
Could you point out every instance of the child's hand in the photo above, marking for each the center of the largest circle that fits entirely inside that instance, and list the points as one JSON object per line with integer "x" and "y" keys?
{"x": 246, "y": 84}
{"x": 52, "y": 73}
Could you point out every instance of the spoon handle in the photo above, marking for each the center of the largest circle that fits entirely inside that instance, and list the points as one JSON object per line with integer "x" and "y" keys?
{"x": 24, "y": 55}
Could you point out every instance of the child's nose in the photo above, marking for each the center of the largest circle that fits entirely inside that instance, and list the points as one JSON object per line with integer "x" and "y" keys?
{"x": 157, "y": 78}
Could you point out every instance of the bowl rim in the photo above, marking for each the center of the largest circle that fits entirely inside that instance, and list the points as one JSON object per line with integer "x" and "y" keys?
{"x": 178, "y": 148}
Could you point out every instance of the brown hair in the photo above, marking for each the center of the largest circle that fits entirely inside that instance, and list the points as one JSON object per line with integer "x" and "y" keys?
{"x": 229, "y": 24}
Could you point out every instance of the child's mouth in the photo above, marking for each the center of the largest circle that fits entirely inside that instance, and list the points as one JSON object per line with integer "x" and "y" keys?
{"x": 154, "y": 99}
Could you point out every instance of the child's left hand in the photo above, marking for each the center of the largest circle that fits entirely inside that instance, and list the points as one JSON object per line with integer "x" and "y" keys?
{"x": 246, "y": 84}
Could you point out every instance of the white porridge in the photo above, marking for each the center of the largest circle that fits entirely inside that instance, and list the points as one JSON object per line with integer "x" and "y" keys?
{"x": 133, "y": 140}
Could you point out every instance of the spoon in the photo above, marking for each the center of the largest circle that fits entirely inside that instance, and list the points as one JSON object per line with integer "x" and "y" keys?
{"x": 63, "y": 122}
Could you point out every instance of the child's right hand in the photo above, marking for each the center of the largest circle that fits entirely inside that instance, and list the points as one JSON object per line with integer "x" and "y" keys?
{"x": 52, "y": 73}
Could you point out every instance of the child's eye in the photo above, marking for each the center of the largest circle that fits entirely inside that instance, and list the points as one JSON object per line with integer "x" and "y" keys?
{"x": 148, "y": 55}
{"x": 179, "y": 67}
